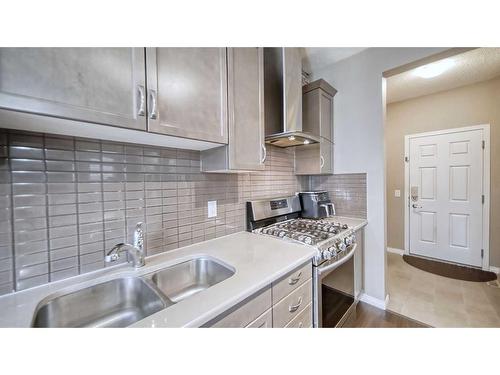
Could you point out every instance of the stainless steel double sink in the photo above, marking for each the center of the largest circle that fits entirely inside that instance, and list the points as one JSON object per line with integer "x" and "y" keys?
{"x": 126, "y": 300}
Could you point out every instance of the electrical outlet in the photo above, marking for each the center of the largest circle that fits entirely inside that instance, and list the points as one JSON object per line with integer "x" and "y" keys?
{"x": 212, "y": 209}
{"x": 397, "y": 193}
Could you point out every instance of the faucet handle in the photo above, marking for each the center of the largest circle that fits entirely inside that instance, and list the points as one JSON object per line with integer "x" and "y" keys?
{"x": 139, "y": 235}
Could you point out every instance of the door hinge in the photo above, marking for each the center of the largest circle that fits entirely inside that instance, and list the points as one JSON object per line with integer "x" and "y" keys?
{"x": 483, "y": 144}
{"x": 482, "y": 253}
{"x": 482, "y": 199}
{"x": 407, "y": 159}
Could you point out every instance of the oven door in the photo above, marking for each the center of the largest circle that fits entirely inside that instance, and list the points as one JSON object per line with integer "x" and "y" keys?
{"x": 334, "y": 298}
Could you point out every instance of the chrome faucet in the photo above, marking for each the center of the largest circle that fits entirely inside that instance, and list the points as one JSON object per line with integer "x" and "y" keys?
{"x": 136, "y": 251}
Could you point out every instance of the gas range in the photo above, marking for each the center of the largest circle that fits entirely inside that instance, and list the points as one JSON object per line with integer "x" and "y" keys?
{"x": 309, "y": 223}
{"x": 330, "y": 238}
{"x": 281, "y": 218}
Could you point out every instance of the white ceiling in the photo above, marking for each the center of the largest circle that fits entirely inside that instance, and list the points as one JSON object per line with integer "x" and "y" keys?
{"x": 477, "y": 65}
{"x": 319, "y": 57}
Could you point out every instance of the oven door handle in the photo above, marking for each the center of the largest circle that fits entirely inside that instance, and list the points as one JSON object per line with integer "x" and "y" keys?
{"x": 330, "y": 267}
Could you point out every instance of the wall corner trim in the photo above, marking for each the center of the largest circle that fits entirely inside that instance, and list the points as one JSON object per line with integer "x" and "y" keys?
{"x": 395, "y": 251}
{"x": 379, "y": 303}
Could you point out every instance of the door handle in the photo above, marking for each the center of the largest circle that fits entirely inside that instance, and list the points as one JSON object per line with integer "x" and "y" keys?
{"x": 152, "y": 95}
{"x": 264, "y": 154}
{"x": 142, "y": 101}
{"x": 321, "y": 162}
{"x": 414, "y": 205}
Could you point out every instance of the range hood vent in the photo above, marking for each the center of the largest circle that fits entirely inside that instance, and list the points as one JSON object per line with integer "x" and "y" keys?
{"x": 283, "y": 98}
{"x": 291, "y": 139}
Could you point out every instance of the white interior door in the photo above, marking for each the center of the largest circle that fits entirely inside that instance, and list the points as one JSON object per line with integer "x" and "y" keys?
{"x": 446, "y": 187}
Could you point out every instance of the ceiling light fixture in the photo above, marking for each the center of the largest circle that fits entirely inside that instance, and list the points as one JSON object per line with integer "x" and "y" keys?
{"x": 434, "y": 69}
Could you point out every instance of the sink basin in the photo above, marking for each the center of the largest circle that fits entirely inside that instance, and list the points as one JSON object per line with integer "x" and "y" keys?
{"x": 115, "y": 303}
{"x": 182, "y": 280}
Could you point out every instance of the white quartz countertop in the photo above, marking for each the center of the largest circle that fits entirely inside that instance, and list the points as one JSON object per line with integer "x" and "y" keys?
{"x": 257, "y": 261}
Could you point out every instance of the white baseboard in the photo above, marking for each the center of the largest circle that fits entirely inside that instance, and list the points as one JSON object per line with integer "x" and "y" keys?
{"x": 380, "y": 303}
{"x": 495, "y": 269}
{"x": 395, "y": 251}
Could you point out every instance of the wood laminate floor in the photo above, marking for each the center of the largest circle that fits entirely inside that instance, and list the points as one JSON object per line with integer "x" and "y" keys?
{"x": 368, "y": 316}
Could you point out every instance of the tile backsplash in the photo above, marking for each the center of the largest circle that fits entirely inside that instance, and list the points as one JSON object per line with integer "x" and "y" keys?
{"x": 64, "y": 201}
{"x": 347, "y": 191}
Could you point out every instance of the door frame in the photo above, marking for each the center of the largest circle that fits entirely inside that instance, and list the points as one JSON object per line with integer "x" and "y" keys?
{"x": 486, "y": 186}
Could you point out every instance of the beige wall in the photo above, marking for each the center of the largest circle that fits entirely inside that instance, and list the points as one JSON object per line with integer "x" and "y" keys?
{"x": 469, "y": 105}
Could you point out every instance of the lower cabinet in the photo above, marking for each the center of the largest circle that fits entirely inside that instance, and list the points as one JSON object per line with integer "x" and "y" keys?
{"x": 286, "y": 303}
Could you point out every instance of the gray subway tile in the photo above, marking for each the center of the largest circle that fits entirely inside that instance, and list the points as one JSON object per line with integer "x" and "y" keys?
{"x": 63, "y": 220}
{"x": 29, "y": 200}
{"x": 25, "y": 152}
{"x": 30, "y": 247}
{"x": 57, "y": 243}
{"x": 60, "y": 155}
{"x": 28, "y": 177}
{"x": 29, "y": 212}
{"x": 59, "y": 143}
{"x": 27, "y": 165}
{"x": 32, "y": 282}
{"x": 61, "y": 187}
{"x": 32, "y": 271}
{"x": 60, "y": 166}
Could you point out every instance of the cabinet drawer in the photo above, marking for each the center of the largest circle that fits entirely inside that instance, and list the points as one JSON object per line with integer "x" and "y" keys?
{"x": 246, "y": 313}
{"x": 303, "y": 319}
{"x": 263, "y": 321}
{"x": 290, "y": 282}
{"x": 290, "y": 306}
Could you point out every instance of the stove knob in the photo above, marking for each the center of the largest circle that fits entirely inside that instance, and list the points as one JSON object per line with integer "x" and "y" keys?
{"x": 307, "y": 240}
{"x": 326, "y": 254}
{"x": 344, "y": 226}
{"x": 348, "y": 240}
{"x": 341, "y": 246}
{"x": 333, "y": 250}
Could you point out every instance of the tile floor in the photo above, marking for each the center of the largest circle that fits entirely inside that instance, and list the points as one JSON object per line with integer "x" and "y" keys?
{"x": 440, "y": 301}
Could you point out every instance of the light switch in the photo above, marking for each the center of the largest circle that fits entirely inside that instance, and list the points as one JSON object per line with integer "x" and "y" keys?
{"x": 212, "y": 209}
{"x": 397, "y": 193}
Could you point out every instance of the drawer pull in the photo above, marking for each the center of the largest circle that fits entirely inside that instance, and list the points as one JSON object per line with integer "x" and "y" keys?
{"x": 300, "y": 325}
{"x": 294, "y": 308}
{"x": 295, "y": 280}
{"x": 263, "y": 324}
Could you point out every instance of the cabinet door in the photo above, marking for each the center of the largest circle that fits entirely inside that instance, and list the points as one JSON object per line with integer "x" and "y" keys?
{"x": 314, "y": 159}
{"x": 318, "y": 113}
{"x": 246, "y": 108}
{"x": 326, "y": 156}
{"x": 187, "y": 92}
{"x": 100, "y": 85}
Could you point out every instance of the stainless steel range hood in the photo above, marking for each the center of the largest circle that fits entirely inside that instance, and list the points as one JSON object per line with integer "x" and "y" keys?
{"x": 283, "y": 98}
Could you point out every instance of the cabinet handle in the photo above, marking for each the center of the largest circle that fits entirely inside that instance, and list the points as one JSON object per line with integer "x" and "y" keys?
{"x": 294, "y": 308}
{"x": 321, "y": 162}
{"x": 264, "y": 156}
{"x": 152, "y": 96}
{"x": 142, "y": 101}
{"x": 294, "y": 280}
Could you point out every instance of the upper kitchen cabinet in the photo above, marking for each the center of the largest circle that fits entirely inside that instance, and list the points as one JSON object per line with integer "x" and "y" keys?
{"x": 314, "y": 159}
{"x": 245, "y": 150}
{"x": 317, "y": 102}
{"x": 187, "y": 92}
{"x": 98, "y": 85}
